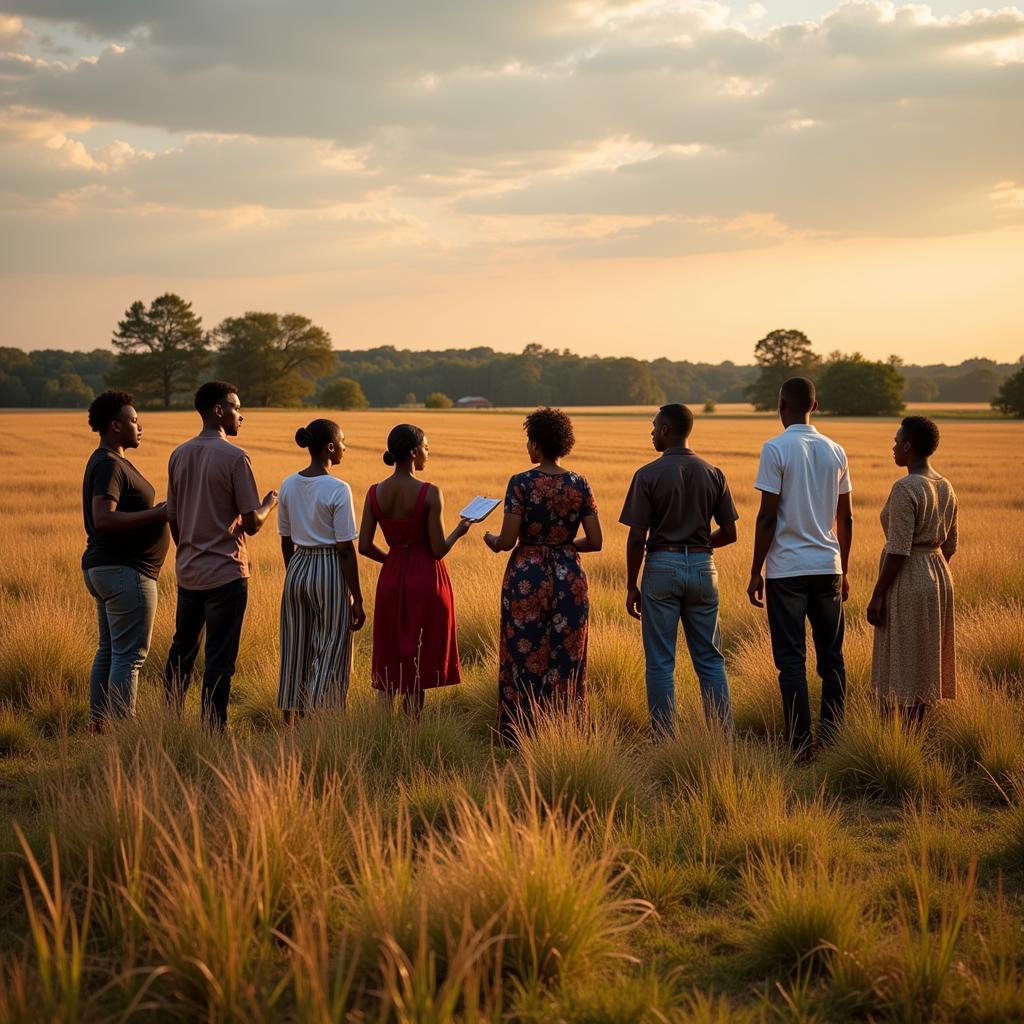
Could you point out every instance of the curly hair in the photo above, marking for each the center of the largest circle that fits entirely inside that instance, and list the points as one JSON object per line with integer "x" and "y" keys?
{"x": 922, "y": 433}
{"x": 551, "y": 430}
{"x": 107, "y": 407}
{"x": 212, "y": 393}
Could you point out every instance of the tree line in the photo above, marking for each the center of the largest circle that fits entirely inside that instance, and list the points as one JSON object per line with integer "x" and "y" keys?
{"x": 161, "y": 351}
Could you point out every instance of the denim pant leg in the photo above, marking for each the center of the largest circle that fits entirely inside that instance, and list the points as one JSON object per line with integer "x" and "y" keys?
{"x": 225, "y": 609}
{"x": 704, "y": 637}
{"x": 189, "y": 620}
{"x": 787, "y": 607}
{"x": 660, "y": 611}
{"x": 129, "y": 602}
{"x": 99, "y": 677}
{"x": 825, "y": 614}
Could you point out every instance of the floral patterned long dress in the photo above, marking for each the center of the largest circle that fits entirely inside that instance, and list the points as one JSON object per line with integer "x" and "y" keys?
{"x": 544, "y": 603}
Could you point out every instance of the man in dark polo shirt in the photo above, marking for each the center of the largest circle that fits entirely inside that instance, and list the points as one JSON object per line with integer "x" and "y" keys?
{"x": 668, "y": 510}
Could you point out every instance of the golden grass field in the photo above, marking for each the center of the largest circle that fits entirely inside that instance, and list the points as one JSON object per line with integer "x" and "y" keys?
{"x": 366, "y": 867}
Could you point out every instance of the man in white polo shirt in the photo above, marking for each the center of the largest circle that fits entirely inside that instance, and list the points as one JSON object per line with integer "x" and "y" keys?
{"x": 804, "y": 532}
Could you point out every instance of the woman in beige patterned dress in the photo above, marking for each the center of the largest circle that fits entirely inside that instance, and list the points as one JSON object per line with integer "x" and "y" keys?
{"x": 913, "y": 663}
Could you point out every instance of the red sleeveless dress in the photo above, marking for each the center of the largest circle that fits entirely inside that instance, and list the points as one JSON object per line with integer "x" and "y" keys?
{"x": 414, "y": 643}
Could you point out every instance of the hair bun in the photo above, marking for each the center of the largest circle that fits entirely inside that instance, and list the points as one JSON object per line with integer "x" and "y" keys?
{"x": 389, "y": 459}
{"x": 302, "y": 437}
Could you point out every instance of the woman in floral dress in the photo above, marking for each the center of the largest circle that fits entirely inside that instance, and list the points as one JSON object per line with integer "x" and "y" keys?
{"x": 544, "y": 602}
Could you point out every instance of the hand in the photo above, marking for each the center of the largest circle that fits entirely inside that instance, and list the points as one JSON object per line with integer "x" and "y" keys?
{"x": 633, "y": 602}
{"x": 161, "y": 506}
{"x": 876, "y": 610}
{"x": 270, "y": 500}
{"x": 755, "y": 590}
{"x": 356, "y": 616}
{"x": 846, "y": 587}
{"x": 463, "y": 528}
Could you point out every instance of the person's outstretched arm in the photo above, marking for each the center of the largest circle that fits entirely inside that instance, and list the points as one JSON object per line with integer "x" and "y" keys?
{"x": 367, "y": 532}
{"x": 764, "y": 534}
{"x": 513, "y": 521}
{"x": 506, "y": 540}
{"x": 440, "y": 545}
{"x": 252, "y": 522}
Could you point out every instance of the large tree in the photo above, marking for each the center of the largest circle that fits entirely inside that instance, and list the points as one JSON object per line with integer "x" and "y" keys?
{"x": 161, "y": 350}
{"x": 855, "y": 386}
{"x": 780, "y": 354}
{"x": 274, "y": 359}
{"x": 1010, "y": 397}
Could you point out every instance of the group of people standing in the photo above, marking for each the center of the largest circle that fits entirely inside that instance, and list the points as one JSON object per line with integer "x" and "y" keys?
{"x": 678, "y": 509}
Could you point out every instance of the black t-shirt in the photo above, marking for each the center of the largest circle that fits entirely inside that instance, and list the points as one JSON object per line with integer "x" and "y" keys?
{"x": 108, "y": 475}
{"x": 675, "y": 498}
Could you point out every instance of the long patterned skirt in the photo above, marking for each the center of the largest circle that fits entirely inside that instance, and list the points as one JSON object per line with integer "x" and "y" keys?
{"x": 544, "y": 629}
{"x": 316, "y": 641}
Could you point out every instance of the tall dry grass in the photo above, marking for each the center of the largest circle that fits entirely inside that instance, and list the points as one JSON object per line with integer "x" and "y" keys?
{"x": 370, "y": 867}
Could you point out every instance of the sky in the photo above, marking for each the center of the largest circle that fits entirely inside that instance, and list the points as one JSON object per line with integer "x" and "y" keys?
{"x": 643, "y": 177}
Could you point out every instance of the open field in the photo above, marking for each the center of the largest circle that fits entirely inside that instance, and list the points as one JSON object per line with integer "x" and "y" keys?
{"x": 368, "y": 868}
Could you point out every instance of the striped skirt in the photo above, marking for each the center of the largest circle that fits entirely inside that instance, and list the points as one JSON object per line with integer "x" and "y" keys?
{"x": 316, "y": 641}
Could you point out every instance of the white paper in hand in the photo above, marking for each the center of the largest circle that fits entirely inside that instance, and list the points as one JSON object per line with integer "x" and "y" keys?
{"x": 479, "y": 508}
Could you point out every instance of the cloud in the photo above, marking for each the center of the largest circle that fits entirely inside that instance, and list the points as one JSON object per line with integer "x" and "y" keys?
{"x": 474, "y": 129}
{"x": 11, "y": 29}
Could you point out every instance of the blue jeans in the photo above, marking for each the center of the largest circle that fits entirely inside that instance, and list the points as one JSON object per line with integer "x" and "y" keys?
{"x": 125, "y": 609}
{"x": 682, "y": 585}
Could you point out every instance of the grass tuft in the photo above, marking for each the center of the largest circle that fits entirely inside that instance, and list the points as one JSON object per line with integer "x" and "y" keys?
{"x": 878, "y": 756}
{"x": 802, "y": 914}
{"x": 15, "y": 733}
{"x": 579, "y": 762}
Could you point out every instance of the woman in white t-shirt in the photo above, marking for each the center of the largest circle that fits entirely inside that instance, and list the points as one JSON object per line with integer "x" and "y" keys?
{"x": 322, "y": 604}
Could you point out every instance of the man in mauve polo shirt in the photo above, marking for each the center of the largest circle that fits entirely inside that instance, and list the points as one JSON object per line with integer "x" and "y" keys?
{"x": 802, "y": 541}
{"x": 668, "y": 510}
{"x": 212, "y": 503}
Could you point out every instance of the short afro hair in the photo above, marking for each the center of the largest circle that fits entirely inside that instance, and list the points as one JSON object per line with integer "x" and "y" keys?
{"x": 922, "y": 433}
{"x": 799, "y": 394}
{"x": 551, "y": 430}
{"x": 107, "y": 407}
{"x": 212, "y": 393}
{"x": 678, "y": 417}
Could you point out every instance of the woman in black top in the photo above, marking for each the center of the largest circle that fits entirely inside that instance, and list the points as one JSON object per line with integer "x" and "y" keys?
{"x": 127, "y": 544}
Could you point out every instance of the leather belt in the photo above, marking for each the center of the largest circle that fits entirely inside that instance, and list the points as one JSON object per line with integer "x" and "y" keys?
{"x": 684, "y": 549}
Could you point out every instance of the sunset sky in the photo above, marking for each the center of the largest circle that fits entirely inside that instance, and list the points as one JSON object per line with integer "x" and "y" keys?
{"x": 652, "y": 178}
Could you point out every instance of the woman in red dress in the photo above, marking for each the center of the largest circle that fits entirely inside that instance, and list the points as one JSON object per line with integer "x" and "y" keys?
{"x": 414, "y": 642}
